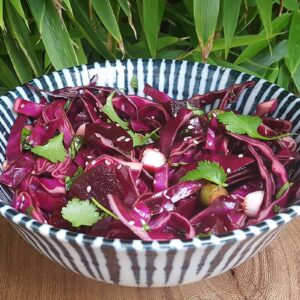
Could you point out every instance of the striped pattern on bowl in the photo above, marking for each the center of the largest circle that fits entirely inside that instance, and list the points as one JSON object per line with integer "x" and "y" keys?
{"x": 138, "y": 263}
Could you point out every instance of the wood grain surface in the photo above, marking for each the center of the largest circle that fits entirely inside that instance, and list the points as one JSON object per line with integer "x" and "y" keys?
{"x": 272, "y": 274}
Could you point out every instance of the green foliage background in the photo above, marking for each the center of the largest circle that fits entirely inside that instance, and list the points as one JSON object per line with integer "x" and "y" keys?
{"x": 260, "y": 37}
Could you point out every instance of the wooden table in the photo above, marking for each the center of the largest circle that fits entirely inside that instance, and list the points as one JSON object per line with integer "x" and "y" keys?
{"x": 272, "y": 274}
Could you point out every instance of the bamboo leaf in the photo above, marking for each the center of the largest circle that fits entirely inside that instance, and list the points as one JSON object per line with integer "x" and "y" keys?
{"x": 8, "y": 78}
{"x": 231, "y": 11}
{"x": 292, "y": 5}
{"x": 68, "y": 6}
{"x": 18, "y": 28}
{"x": 206, "y": 16}
{"x": 2, "y": 25}
{"x": 283, "y": 79}
{"x": 19, "y": 9}
{"x": 87, "y": 27}
{"x": 54, "y": 34}
{"x": 189, "y": 6}
{"x": 264, "y": 8}
{"x": 106, "y": 15}
{"x": 296, "y": 78}
{"x": 125, "y": 4}
{"x": 151, "y": 20}
{"x": 18, "y": 59}
{"x": 82, "y": 59}
{"x": 294, "y": 43}
{"x": 255, "y": 47}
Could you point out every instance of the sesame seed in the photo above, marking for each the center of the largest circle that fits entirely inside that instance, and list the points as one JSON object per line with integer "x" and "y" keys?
{"x": 138, "y": 181}
{"x": 127, "y": 139}
{"x": 131, "y": 222}
{"x": 86, "y": 163}
{"x": 228, "y": 170}
{"x": 240, "y": 155}
{"x": 186, "y": 138}
{"x": 98, "y": 135}
{"x": 121, "y": 138}
{"x": 89, "y": 157}
{"x": 119, "y": 167}
{"x": 95, "y": 109}
{"x": 107, "y": 162}
{"x": 89, "y": 188}
{"x": 143, "y": 221}
{"x": 152, "y": 117}
{"x": 214, "y": 114}
{"x": 23, "y": 198}
{"x": 175, "y": 115}
{"x": 22, "y": 105}
{"x": 190, "y": 127}
{"x": 196, "y": 142}
{"x": 117, "y": 125}
{"x": 21, "y": 206}
{"x": 154, "y": 181}
{"x": 93, "y": 162}
{"x": 210, "y": 143}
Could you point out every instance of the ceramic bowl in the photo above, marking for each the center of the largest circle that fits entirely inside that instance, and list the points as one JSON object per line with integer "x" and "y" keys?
{"x": 150, "y": 264}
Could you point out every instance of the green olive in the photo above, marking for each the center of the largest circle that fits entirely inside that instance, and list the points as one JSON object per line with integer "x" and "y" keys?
{"x": 211, "y": 192}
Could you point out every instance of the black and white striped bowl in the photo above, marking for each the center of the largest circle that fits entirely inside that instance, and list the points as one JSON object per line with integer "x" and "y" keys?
{"x": 138, "y": 263}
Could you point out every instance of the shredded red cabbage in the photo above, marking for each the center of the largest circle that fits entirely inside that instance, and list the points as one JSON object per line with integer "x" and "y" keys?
{"x": 134, "y": 161}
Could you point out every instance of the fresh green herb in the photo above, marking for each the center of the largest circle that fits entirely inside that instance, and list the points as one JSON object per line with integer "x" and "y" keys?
{"x": 134, "y": 82}
{"x": 69, "y": 180}
{"x": 67, "y": 105}
{"x": 204, "y": 235}
{"x": 196, "y": 111}
{"x": 242, "y": 124}
{"x": 76, "y": 144}
{"x": 276, "y": 209}
{"x": 54, "y": 150}
{"x": 104, "y": 209}
{"x": 109, "y": 110}
{"x": 80, "y": 213}
{"x": 140, "y": 140}
{"x": 29, "y": 210}
{"x": 210, "y": 171}
{"x": 283, "y": 189}
{"x": 25, "y": 133}
{"x": 146, "y": 227}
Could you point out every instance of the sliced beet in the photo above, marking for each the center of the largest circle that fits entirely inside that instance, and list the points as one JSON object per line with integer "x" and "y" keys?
{"x": 96, "y": 182}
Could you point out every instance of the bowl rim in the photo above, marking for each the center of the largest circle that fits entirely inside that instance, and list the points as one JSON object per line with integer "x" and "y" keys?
{"x": 27, "y": 222}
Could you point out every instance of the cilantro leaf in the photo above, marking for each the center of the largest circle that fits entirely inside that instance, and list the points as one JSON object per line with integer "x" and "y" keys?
{"x": 76, "y": 144}
{"x": 196, "y": 111}
{"x": 25, "y": 133}
{"x": 283, "y": 189}
{"x": 146, "y": 227}
{"x": 80, "y": 213}
{"x": 140, "y": 140}
{"x": 134, "y": 82}
{"x": 203, "y": 235}
{"x": 54, "y": 150}
{"x": 277, "y": 209}
{"x": 242, "y": 124}
{"x": 67, "y": 104}
{"x": 109, "y": 110}
{"x": 210, "y": 171}
{"x": 69, "y": 180}
{"x": 106, "y": 211}
{"x": 29, "y": 210}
